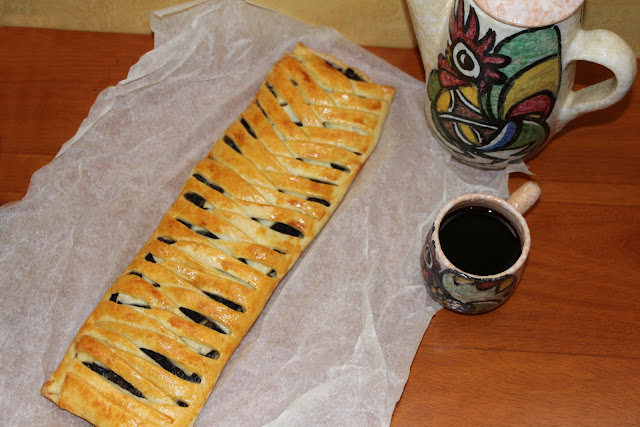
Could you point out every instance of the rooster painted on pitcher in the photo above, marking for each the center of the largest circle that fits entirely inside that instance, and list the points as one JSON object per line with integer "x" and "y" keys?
{"x": 490, "y": 99}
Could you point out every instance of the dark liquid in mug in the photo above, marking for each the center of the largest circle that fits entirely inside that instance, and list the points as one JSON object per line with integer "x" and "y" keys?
{"x": 479, "y": 240}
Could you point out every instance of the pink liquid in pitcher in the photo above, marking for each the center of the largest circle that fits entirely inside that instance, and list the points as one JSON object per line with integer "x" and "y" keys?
{"x": 529, "y": 13}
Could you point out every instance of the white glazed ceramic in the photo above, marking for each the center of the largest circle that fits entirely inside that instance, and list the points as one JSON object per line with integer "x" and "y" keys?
{"x": 498, "y": 87}
{"x": 467, "y": 293}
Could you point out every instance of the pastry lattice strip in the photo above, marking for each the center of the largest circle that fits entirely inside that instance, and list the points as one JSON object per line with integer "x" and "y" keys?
{"x": 152, "y": 350}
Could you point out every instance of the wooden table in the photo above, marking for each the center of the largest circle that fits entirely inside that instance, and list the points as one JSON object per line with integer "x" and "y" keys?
{"x": 564, "y": 350}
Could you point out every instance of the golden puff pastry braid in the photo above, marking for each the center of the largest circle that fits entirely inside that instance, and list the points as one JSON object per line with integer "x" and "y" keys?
{"x": 152, "y": 350}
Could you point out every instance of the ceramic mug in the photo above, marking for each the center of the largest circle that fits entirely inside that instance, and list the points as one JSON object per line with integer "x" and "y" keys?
{"x": 500, "y": 88}
{"x": 472, "y": 267}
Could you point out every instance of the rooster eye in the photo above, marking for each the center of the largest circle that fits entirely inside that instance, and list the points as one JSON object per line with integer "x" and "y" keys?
{"x": 465, "y": 60}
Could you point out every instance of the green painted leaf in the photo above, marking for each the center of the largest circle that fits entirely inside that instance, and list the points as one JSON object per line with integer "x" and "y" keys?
{"x": 433, "y": 86}
{"x": 532, "y": 133}
{"x": 525, "y": 49}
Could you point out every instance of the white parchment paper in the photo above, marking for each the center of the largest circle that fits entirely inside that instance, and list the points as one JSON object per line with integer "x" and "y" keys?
{"x": 336, "y": 341}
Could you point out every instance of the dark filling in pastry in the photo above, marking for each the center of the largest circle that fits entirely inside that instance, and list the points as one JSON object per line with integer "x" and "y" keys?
{"x": 166, "y": 240}
{"x": 282, "y": 103}
{"x": 264, "y": 113}
{"x": 202, "y": 232}
{"x": 150, "y": 258}
{"x": 202, "y": 320}
{"x": 319, "y": 181}
{"x": 231, "y": 144}
{"x": 248, "y": 128}
{"x": 196, "y": 199}
{"x": 232, "y": 305}
{"x": 349, "y": 72}
{"x": 213, "y": 354}
{"x": 272, "y": 90}
{"x": 181, "y": 403}
{"x": 169, "y": 366}
{"x": 208, "y": 183}
{"x": 287, "y": 229}
{"x": 321, "y": 201}
{"x": 135, "y": 273}
{"x": 339, "y": 167}
{"x": 114, "y": 298}
{"x": 114, "y": 378}
{"x": 284, "y": 229}
{"x": 311, "y": 199}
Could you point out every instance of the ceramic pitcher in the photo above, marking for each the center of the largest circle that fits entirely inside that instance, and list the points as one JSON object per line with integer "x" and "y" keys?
{"x": 500, "y": 73}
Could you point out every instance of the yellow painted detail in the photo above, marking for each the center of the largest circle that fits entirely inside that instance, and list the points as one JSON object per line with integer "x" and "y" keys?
{"x": 542, "y": 77}
{"x": 471, "y": 94}
{"x": 468, "y": 133}
{"x": 444, "y": 102}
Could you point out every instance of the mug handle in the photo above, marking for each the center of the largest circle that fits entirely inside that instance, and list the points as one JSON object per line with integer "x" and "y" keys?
{"x": 525, "y": 197}
{"x": 609, "y": 50}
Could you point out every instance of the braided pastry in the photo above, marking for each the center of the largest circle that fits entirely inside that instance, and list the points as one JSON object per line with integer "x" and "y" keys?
{"x": 152, "y": 350}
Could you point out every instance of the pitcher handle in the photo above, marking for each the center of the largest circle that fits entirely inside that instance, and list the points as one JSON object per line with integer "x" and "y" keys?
{"x": 609, "y": 50}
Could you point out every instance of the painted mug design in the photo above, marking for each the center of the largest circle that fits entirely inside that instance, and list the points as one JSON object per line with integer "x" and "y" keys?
{"x": 461, "y": 292}
{"x": 490, "y": 99}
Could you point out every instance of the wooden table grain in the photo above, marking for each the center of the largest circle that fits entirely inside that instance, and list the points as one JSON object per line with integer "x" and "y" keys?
{"x": 565, "y": 350}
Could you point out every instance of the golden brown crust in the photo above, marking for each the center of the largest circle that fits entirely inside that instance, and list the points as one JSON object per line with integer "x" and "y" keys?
{"x": 152, "y": 350}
